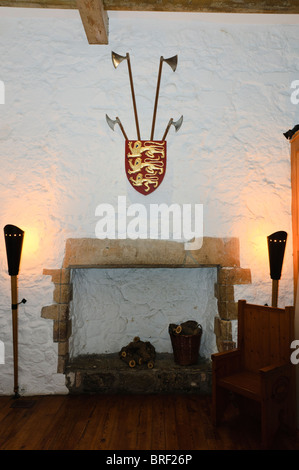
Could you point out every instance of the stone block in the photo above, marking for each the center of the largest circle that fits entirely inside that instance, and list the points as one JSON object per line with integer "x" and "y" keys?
{"x": 228, "y": 310}
{"x": 61, "y": 364}
{"x": 62, "y": 293}
{"x": 63, "y": 348}
{"x": 61, "y": 331}
{"x": 59, "y": 276}
{"x": 223, "y": 329}
{"x": 50, "y": 312}
{"x": 231, "y": 276}
{"x": 63, "y": 312}
{"x": 224, "y": 292}
{"x": 224, "y": 345}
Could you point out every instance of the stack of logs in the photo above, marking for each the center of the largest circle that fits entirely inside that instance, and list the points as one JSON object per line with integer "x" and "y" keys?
{"x": 189, "y": 327}
{"x": 138, "y": 352}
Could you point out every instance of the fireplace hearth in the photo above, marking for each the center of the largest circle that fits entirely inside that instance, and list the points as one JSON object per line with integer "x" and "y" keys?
{"x": 105, "y": 372}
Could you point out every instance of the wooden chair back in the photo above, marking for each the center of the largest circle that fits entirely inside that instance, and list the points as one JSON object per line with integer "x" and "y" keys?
{"x": 264, "y": 335}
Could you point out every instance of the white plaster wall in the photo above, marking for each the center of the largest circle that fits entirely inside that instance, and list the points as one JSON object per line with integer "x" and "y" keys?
{"x": 59, "y": 159}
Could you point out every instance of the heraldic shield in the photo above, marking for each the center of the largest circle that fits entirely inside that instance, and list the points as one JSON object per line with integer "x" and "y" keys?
{"x": 145, "y": 164}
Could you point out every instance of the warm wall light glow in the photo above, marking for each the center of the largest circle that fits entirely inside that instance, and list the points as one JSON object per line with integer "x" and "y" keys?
{"x": 38, "y": 213}
{"x": 254, "y": 246}
{"x": 260, "y": 248}
{"x": 31, "y": 242}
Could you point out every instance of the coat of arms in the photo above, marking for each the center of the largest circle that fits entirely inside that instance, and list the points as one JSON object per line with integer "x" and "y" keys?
{"x": 145, "y": 160}
{"x": 145, "y": 164}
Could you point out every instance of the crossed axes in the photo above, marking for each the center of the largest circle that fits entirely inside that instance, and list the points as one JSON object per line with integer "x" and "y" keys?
{"x": 172, "y": 62}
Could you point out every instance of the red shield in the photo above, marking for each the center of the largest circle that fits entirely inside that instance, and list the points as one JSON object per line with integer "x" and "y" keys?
{"x": 145, "y": 164}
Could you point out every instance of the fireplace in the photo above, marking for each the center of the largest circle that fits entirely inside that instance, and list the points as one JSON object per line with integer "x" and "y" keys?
{"x": 87, "y": 253}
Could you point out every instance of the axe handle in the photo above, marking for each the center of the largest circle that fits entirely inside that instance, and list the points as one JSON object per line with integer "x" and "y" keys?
{"x": 14, "y": 303}
{"x": 167, "y": 129}
{"x": 122, "y": 129}
{"x": 133, "y": 96}
{"x": 156, "y": 99}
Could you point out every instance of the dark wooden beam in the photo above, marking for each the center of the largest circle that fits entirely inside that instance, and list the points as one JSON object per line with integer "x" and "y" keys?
{"x": 95, "y": 19}
{"x": 210, "y": 6}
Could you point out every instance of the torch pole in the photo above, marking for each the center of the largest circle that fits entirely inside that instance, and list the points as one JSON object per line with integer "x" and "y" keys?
{"x": 14, "y": 309}
{"x": 13, "y": 241}
{"x": 274, "y": 292}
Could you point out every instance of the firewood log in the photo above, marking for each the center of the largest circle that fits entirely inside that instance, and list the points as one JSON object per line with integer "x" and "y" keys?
{"x": 189, "y": 327}
{"x": 138, "y": 352}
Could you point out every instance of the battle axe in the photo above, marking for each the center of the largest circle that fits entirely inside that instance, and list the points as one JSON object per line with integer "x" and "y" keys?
{"x": 177, "y": 124}
{"x": 117, "y": 59}
{"x": 172, "y": 62}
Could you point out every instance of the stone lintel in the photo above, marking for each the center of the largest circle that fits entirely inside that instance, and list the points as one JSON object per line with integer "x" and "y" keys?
{"x": 90, "y": 252}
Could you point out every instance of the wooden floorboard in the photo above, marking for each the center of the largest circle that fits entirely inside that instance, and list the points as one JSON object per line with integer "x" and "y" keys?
{"x": 127, "y": 422}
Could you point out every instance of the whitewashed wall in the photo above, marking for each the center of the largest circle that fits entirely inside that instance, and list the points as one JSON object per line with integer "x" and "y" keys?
{"x": 59, "y": 159}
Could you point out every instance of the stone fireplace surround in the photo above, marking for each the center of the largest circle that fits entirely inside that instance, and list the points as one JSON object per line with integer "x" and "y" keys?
{"x": 222, "y": 253}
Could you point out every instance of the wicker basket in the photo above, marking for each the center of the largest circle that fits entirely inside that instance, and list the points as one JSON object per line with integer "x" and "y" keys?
{"x": 186, "y": 348}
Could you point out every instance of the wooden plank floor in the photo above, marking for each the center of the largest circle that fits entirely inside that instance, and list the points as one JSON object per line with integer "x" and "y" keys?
{"x": 126, "y": 422}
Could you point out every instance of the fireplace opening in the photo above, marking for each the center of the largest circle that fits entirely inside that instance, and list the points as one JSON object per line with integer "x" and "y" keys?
{"x": 110, "y": 307}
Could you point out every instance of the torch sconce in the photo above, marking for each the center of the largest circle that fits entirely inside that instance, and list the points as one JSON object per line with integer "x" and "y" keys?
{"x": 14, "y": 242}
{"x": 276, "y": 248}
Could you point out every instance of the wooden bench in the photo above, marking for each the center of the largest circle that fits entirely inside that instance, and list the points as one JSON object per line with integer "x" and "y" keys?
{"x": 259, "y": 368}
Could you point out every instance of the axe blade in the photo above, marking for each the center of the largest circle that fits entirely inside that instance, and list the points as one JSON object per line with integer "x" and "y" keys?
{"x": 177, "y": 124}
{"x": 117, "y": 59}
{"x": 110, "y": 122}
{"x": 172, "y": 62}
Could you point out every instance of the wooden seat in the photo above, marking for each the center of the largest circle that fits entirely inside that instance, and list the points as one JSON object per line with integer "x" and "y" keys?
{"x": 259, "y": 368}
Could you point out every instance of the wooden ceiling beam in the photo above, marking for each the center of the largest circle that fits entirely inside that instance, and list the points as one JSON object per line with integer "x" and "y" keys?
{"x": 207, "y": 6}
{"x": 95, "y": 20}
